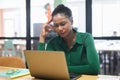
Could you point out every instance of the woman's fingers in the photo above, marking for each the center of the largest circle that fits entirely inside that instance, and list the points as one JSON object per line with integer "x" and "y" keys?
{"x": 46, "y": 28}
{"x": 49, "y": 27}
{"x": 49, "y": 21}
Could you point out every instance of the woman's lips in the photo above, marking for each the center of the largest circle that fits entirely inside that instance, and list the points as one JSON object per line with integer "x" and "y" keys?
{"x": 62, "y": 33}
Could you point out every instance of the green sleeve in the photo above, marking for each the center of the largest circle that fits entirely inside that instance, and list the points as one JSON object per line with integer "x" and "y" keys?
{"x": 41, "y": 46}
{"x": 93, "y": 62}
{"x": 50, "y": 46}
{"x": 46, "y": 46}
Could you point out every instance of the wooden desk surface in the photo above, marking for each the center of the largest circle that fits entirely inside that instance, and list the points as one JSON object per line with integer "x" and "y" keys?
{"x": 83, "y": 77}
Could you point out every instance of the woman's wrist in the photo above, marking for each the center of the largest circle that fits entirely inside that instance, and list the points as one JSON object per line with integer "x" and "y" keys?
{"x": 42, "y": 39}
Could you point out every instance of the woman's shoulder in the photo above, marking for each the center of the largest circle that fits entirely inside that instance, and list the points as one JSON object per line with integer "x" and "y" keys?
{"x": 83, "y": 37}
{"x": 83, "y": 34}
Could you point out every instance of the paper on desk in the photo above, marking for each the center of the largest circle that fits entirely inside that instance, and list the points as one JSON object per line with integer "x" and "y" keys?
{"x": 108, "y": 78}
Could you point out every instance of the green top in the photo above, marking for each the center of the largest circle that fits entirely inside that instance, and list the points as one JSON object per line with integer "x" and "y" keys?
{"x": 82, "y": 58}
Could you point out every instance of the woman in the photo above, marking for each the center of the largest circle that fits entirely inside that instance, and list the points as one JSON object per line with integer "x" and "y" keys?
{"x": 80, "y": 52}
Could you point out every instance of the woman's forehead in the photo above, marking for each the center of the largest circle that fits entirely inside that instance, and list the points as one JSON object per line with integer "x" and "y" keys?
{"x": 58, "y": 17}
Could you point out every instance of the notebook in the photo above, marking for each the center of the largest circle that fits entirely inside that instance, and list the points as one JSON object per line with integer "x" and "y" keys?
{"x": 47, "y": 64}
{"x": 14, "y": 73}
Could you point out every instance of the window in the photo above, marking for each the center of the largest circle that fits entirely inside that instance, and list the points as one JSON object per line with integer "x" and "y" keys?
{"x": 106, "y": 17}
{"x": 12, "y": 24}
{"x": 12, "y": 18}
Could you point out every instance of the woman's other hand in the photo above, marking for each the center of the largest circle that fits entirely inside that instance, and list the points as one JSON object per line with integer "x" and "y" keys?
{"x": 46, "y": 28}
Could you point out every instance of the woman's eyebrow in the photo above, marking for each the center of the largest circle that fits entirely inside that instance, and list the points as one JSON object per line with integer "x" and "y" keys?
{"x": 60, "y": 22}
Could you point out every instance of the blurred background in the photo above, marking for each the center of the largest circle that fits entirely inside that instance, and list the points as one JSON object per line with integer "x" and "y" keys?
{"x": 21, "y": 21}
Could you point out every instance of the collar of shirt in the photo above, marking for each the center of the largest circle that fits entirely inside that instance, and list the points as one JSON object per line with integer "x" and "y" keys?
{"x": 78, "y": 39}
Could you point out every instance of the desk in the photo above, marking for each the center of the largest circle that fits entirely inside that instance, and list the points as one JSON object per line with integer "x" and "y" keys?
{"x": 83, "y": 77}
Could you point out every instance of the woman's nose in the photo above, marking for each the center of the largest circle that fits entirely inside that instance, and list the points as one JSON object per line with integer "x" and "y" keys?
{"x": 60, "y": 27}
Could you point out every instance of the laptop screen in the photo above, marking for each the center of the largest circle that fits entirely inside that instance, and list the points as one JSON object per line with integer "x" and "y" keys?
{"x": 47, "y": 64}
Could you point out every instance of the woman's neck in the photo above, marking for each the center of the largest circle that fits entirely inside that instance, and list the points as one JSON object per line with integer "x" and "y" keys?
{"x": 70, "y": 37}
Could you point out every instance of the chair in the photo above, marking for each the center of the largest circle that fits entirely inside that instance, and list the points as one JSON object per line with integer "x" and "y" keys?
{"x": 9, "y": 49}
{"x": 12, "y": 62}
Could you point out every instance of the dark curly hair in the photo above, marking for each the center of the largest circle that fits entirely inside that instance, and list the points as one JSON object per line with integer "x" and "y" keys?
{"x": 62, "y": 10}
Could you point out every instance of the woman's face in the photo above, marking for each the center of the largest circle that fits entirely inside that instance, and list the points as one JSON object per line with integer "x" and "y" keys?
{"x": 62, "y": 25}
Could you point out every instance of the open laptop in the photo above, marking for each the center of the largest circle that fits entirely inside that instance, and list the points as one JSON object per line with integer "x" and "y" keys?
{"x": 47, "y": 64}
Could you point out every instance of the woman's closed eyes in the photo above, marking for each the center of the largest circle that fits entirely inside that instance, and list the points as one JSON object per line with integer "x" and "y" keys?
{"x": 60, "y": 24}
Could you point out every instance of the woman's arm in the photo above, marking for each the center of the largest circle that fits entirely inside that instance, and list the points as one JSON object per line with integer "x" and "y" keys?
{"x": 46, "y": 46}
{"x": 93, "y": 61}
{"x": 46, "y": 28}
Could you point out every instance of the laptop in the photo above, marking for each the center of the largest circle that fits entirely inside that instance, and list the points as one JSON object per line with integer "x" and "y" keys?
{"x": 47, "y": 64}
